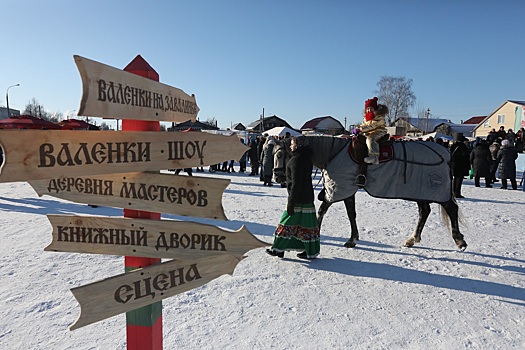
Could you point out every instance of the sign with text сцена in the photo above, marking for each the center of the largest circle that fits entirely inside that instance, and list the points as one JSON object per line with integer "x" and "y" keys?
{"x": 164, "y": 193}
{"x": 44, "y": 154}
{"x": 147, "y": 238}
{"x": 109, "y": 92}
{"x": 141, "y": 287}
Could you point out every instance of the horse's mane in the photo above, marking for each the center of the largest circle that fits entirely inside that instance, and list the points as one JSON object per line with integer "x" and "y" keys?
{"x": 325, "y": 148}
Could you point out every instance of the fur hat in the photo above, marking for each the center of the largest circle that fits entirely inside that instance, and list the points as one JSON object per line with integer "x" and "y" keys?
{"x": 371, "y": 103}
{"x": 505, "y": 143}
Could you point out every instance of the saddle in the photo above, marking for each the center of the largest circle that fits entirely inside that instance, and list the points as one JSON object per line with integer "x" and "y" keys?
{"x": 358, "y": 151}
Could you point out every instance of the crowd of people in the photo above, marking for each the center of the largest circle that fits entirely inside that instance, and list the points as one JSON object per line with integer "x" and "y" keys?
{"x": 492, "y": 158}
{"x": 287, "y": 161}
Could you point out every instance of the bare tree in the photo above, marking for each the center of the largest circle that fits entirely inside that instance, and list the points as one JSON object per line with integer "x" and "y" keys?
{"x": 210, "y": 121}
{"x": 396, "y": 93}
{"x": 104, "y": 126}
{"x": 35, "y": 109}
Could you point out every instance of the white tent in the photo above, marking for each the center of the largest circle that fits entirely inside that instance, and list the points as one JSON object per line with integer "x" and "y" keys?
{"x": 281, "y": 131}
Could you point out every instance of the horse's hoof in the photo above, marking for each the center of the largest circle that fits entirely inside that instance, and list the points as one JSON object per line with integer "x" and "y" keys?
{"x": 410, "y": 242}
{"x": 462, "y": 245}
{"x": 350, "y": 244}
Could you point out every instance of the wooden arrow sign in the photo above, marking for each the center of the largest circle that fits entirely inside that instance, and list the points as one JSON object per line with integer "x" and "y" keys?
{"x": 109, "y": 92}
{"x": 142, "y": 287}
{"x": 45, "y": 154}
{"x": 164, "y": 193}
{"x": 147, "y": 238}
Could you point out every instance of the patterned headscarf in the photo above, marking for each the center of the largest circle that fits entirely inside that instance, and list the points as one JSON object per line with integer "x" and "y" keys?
{"x": 301, "y": 141}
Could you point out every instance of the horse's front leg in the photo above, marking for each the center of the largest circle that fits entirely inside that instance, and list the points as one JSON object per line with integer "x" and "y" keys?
{"x": 452, "y": 210}
{"x": 424, "y": 212}
{"x": 350, "y": 211}
{"x": 323, "y": 208}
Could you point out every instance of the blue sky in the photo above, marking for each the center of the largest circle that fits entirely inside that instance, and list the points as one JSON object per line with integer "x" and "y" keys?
{"x": 296, "y": 59}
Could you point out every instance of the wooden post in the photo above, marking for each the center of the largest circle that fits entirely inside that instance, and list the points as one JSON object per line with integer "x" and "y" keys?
{"x": 143, "y": 325}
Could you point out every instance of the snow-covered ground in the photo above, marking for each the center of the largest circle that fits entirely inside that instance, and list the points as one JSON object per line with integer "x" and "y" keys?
{"x": 378, "y": 295}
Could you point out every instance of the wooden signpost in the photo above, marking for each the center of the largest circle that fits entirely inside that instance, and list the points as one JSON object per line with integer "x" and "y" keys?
{"x": 116, "y": 168}
{"x": 181, "y": 195}
{"x": 109, "y": 92}
{"x": 142, "y": 287}
{"x": 44, "y": 154}
{"x": 152, "y": 238}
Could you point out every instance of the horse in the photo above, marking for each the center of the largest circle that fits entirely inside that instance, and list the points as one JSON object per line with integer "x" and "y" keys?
{"x": 416, "y": 171}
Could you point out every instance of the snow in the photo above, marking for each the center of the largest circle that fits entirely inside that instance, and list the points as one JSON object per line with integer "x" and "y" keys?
{"x": 379, "y": 295}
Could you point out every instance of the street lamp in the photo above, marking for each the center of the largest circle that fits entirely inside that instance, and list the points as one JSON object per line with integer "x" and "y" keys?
{"x": 7, "y": 98}
{"x": 70, "y": 112}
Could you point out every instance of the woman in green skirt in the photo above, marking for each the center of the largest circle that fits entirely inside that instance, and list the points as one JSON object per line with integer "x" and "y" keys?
{"x": 298, "y": 229}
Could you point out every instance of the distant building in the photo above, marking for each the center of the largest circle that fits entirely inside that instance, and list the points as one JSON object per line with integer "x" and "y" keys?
{"x": 510, "y": 114}
{"x": 76, "y": 124}
{"x": 266, "y": 123}
{"x": 12, "y": 112}
{"x": 419, "y": 126}
{"x": 196, "y": 125}
{"x": 238, "y": 126}
{"x": 474, "y": 120}
{"x": 324, "y": 125}
{"x": 451, "y": 129}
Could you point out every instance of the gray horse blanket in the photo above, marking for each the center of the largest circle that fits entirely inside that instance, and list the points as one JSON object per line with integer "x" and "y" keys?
{"x": 418, "y": 171}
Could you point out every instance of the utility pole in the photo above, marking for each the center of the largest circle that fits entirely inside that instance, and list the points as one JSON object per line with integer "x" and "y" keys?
{"x": 261, "y": 129}
{"x": 427, "y": 116}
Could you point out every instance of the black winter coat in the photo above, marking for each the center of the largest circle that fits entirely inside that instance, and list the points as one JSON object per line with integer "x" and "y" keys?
{"x": 299, "y": 177}
{"x": 460, "y": 162}
{"x": 507, "y": 162}
{"x": 253, "y": 155}
{"x": 480, "y": 159}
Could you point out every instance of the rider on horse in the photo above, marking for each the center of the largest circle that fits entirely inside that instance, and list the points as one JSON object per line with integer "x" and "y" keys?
{"x": 374, "y": 128}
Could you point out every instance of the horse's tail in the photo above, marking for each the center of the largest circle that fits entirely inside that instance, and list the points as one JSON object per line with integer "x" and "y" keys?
{"x": 446, "y": 219}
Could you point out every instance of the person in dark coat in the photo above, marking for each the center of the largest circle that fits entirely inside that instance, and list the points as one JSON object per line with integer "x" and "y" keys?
{"x": 267, "y": 161}
{"x": 494, "y": 149}
{"x": 262, "y": 142}
{"x": 492, "y": 136}
{"x": 460, "y": 163}
{"x": 480, "y": 160}
{"x": 507, "y": 156}
{"x": 501, "y": 133}
{"x": 242, "y": 160}
{"x": 298, "y": 228}
{"x": 253, "y": 157}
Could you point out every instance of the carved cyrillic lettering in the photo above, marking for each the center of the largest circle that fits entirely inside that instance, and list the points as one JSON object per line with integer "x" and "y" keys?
{"x": 160, "y": 282}
{"x": 102, "y": 90}
{"x": 202, "y": 198}
{"x": 119, "y": 294}
{"x": 139, "y": 293}
{"x": 161, "y": 241}
{"x": 218, "y": 244}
